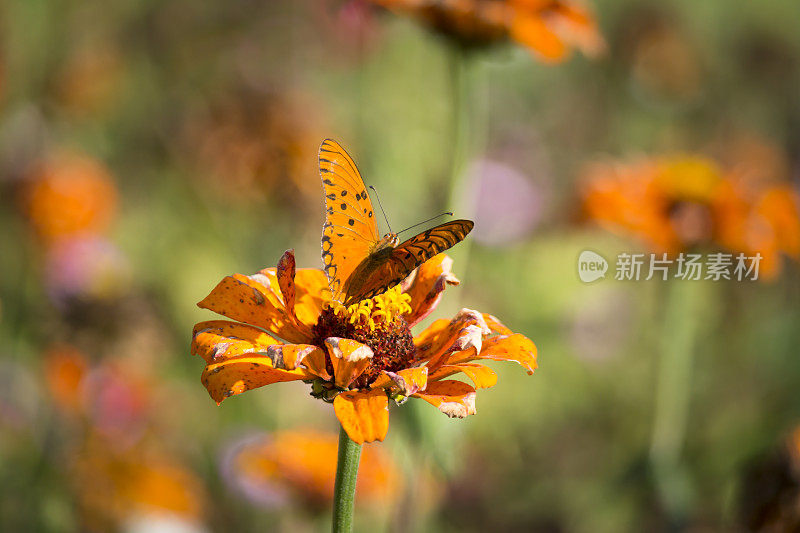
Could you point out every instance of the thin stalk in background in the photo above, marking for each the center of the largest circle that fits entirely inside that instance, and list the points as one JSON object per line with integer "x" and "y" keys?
{"x": 684, "y": 316}
{"x": 469, "y": 123}
{"x": 344, "y": 492}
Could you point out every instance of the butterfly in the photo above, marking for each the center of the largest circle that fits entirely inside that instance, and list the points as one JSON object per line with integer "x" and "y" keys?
{"x": 359, "y": 263}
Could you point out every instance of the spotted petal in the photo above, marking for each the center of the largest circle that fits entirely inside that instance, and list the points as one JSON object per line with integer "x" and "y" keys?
{"x": 241, "y": 373}
{"x": 363, "y": 415}
{"x": 252, "y": 300}
{"x": 220, "y": 339}
{"x": 456, "y": 399}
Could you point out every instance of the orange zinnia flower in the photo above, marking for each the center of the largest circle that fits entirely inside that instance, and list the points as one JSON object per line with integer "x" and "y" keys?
{"x": 70, "y": 195}
{"x": 546, "y": 27}
{"x": 357, "y": 357}
{"x": 676, "y": 203}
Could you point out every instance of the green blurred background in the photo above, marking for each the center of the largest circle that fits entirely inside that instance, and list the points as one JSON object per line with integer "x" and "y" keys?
{"x": 201, "y": 120}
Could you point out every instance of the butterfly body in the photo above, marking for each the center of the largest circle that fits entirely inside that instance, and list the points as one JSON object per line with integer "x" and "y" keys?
{"x": 358, "y": 263}
{"x": 360, "y": 277}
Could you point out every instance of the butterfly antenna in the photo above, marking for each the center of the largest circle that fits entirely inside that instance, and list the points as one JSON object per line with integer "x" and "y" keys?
{"x": 449, "y": 213}
{"x": 381, "y": 206}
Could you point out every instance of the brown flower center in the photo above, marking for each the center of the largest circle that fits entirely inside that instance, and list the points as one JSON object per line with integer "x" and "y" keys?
{"x": 377, "y": 323}
{"x": 692, "y": 222}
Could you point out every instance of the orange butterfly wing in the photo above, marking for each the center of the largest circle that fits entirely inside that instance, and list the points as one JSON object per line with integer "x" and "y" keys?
{"x": 409, "y": 255}
{"x": 350, "y": 231}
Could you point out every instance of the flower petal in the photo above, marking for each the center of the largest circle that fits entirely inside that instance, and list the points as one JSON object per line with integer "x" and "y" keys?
{"x": 219, "y": 339}
{"x": 363, "y": 415}
{"x": 285, "y": 271}
{"x": 442, "y": 338}
{"x": 456, "y": 399}
{"x": 244, "y": 372}
{"x": 495, "y": 325}
{"x": 482, "y": 376}
{"x": 426, "y": 287}
{"x": 250, "y": 299}
{"x": 314, "y": 362}
{"x": 302, "y": 290}
{"x": 408, "y": 380}
{"x": 517, "y": 348}
{"x": 530, "y": 30}
{"x": 349, "y": 359}
{"x": 291, "y": 356}
{"x": 312, "y": 292}
{"x": 576, "y": 26}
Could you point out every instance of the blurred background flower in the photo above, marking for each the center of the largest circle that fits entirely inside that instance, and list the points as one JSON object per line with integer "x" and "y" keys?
{"x": 507, "y": 205}
{"x": 69, "y": 195}
{"x": 148, "y": 149}
{"x": 681, "y": 203}
{"x": 547, "y": 28}
{"x": 85, "y": 269}
{"x": 274, "y": 470}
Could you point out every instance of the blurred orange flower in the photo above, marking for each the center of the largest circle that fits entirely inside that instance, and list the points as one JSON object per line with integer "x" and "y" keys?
{"x": 676, "y": 203}
{"x": 356, "y": 357}
{"x": 247, "y": 144}
{"x": 115, "y": 485}
{"x": 304, "y": 463}
{"x": 546, "y": 27}
{"x": 70, "y": 195}
{"x": 65, "y": 368}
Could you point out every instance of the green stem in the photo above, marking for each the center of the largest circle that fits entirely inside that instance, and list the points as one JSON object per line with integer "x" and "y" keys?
{"x": 683, "y": 317}
{"x": 468, "y": 136}
{"x": 344, "y": 492}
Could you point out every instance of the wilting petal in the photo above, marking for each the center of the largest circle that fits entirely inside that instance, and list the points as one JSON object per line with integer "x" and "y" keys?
{"x": 482, "y": 376}
{"x": 363, "y": 415}
{"x": 442, "y": 338}
{"x": 285, "y": 272}
{"x": 517, "y": 348}
{"x": 408, "y": 380}
{"x": 249, "y": 300}
{"x": 290, "y": 356}
{"x": 303, "y": 291}
{"x": 244, "y": 372}
{"x": 219, "y": 339}
{"x": 349, "y": 359}
{"x": 426, "y": 287}
{"x": 456, "y": 399}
